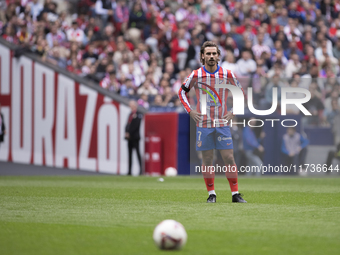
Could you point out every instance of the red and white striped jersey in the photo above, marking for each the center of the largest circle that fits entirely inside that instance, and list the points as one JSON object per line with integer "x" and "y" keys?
{"x": 203, "y": 82}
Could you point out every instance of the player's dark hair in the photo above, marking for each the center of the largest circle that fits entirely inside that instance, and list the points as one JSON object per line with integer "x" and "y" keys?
{"x": 209, "y": 44}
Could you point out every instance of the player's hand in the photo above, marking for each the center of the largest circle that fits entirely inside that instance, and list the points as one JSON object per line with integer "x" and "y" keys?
{"x": 195, "y": 116}
{"x": 260, "y": 148}
{"x": 228, "y": 116}
{"x": 127, "y": 135}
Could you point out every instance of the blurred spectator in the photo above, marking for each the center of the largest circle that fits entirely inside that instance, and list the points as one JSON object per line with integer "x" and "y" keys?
{"x": 139, "y": 62}
{"x": 265, "y": 39}
{"x": 328, "y": 101}
{"x": 182, "y": 12}
{"x": 167, "y": 15}
{"x": 293, "y": 65}
{"x": 55, "y": 34}
{"x": 36, "y": 7}
{"x": 336, "y": 49}
{"x": 323, "y": 49}
{"x": 274, "y": 83}
{"x": 293, "y": 49}
{"x": 291, "y": 29}
{"x": 127, "y": 88}
{"x": 193, "y": 54}
{"x": 92, "y": 75}
{"x": 121, "y": 16}
{"x": 55, "y": 58}
{"x": 229, "y": 63}
{"x": 277, "y": 69}
{"x": 75, "y": 34}
{"x": 292, "y": 108}
{"x": 86, "y": 67}
{"x": 179, "y": 47}
{"x": 314, "y": 106}
{"x": 246, "y": 65}
{"x": 146, "y": 89}
{"x": 90, "y": 54}
{"x": 252, "y": 147}
{"x": 41, "y": 47}
{"x": 163, "y": 85}
{"x": 73, "y": 66}
{"x": 273, "y": 27}
{"x": 105, "y": 9}
{"x": 280, "y": 36}
{"x": 168, "y": 97}
{"x": 203, "y": 15}
{"x": 178, "y": 83}
{"x": 259, "y": 48}
{"x": 152, "y": 42}
{"x": 63, "y": 51}
{"x": 237, "y": 37}
{"x": 294, "y": 148}
{"x": 231, "y": 46}
{"x": 158, "y": 101}
{"x": 170, "y": 70}
{"x": 333, "y": 117}
{"x": 23, "y": 35}
{"x": 282, "y": 20}
{"x": 110, "y": 82}
{"x": 10, "y": 35}
{"x": 137, "y": 22}
{"x": 218, "y": 10}
{"x": 144, "y": 101}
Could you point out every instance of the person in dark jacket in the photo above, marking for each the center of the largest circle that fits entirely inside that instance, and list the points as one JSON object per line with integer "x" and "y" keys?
{"x": 137, "y": 17}
{"x": 294, "y": 147}
{"x": 253, "y": 148}
{"x": 193, "y": 54}
{"x": 132, "y": 134}
{"x": 2, "y": 127}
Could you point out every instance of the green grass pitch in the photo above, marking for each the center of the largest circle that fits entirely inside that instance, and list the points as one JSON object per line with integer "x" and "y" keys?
{"x": 117, "y": 215}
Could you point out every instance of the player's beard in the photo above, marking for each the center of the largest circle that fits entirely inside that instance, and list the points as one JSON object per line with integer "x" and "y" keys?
{"x": 211, "y": 62}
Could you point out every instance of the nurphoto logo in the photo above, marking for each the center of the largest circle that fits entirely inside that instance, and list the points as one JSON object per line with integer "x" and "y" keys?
{"x": 238, "y": 102}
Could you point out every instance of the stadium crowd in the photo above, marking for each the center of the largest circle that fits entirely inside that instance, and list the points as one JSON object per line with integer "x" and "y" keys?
{"x": 144, "y": 49}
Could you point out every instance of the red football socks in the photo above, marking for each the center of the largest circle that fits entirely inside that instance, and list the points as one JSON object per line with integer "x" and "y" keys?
{"x": 232, "y": 177}
{"x": 231, "y": 174}
{"x": 209, "y": 178}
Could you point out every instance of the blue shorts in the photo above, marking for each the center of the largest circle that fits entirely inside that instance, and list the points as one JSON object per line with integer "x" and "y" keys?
{"x": 218, "y": 138}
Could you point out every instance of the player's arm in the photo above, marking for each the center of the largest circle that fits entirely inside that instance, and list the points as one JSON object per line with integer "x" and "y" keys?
{"x": 182, "y": 94}
{"x": 284, "y": 147}
{"x": 304, "y": 141}
{"x": 253, "y": 143}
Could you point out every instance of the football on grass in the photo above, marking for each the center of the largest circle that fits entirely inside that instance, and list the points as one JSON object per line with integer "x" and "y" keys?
{"x": 170, "y": 171}
{"x": 169, "y": 235}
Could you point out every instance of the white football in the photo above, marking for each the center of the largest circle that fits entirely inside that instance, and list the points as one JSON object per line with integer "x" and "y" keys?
{"x": 170, "y": 171}
{"x": 170, "y": 235}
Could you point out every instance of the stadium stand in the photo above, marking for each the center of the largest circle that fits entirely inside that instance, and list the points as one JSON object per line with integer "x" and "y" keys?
{"x": 144, "y": 49}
